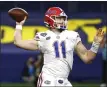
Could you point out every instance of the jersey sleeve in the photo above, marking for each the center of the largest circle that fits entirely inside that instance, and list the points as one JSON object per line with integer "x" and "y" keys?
{"x": 37, "y": 37}
{"x": 40, "y": 39}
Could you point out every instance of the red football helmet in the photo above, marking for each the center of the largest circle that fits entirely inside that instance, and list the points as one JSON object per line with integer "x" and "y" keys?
{"x": 50, "y": 16}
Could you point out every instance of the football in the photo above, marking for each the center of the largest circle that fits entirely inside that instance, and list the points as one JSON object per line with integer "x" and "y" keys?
{"x": 18, "y": 14}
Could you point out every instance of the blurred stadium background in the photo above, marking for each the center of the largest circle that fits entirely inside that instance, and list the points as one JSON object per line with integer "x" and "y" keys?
{"x": 84, "y": 17}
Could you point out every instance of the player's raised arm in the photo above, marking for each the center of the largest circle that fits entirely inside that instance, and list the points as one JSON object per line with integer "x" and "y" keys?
{"x": 26, "y": 44}
{"x": 88, "y": 55}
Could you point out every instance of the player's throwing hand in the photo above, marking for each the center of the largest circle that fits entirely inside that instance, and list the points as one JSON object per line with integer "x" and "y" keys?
{"x": 22, "y": 22}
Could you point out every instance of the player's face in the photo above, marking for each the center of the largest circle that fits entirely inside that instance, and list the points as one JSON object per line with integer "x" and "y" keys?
{"x": 60, "y": 21}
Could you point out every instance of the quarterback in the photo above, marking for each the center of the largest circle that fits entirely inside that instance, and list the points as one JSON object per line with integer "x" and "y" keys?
{"x": 57, "y": 44}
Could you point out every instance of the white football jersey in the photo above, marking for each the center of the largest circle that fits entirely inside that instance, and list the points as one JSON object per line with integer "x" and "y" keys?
{"x": 58, "y": 51}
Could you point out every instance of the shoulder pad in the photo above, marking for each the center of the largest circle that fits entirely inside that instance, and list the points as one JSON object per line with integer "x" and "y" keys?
{"x": 40, "y": 36}
{"x": 43, "y": 34}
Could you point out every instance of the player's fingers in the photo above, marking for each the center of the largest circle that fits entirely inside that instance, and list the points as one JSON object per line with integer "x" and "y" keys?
{"x": 102, "y": 34}
{"x": 17, "y": 23}
{"x": 25, "y": 17}
{"x": 22, "y": 22}
{"x": 99, "y": 32}
{"x": 99, "y": 29}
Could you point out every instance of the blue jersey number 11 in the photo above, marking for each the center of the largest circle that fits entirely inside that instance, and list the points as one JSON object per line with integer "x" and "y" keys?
{"x": 63, "y": 50}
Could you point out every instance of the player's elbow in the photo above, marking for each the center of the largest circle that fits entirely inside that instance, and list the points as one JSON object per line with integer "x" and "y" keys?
{"x": 16, "y": 43}
{"x": 87, "y": 60}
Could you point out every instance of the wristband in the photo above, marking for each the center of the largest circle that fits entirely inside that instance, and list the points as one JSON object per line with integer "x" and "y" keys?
{"x": 95, "y": 47}
{"x": 19, "y": 27}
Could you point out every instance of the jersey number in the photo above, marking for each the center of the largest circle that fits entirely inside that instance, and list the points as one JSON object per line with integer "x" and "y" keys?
{"x": 63, "y": 50}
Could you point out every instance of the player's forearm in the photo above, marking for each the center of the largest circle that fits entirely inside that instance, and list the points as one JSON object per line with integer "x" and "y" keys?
{"x": 87, "y": 56}
{"x": 90, "y": 54}
{"x": 17, "y": 35}
{"x": 25, "y": 44}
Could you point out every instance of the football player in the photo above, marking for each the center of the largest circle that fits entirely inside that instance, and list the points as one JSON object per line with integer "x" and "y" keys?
{"x": 58, "y": 45}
